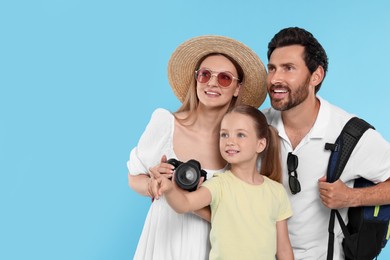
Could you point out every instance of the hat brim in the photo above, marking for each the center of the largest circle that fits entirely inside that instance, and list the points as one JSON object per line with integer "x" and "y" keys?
{"x": 182, "y": 66}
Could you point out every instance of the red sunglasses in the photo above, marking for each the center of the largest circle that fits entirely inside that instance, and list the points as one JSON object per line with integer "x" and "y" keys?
{"x": 224, "y": 79}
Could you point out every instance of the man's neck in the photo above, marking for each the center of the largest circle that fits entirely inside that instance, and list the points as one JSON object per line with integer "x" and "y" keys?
{"x": 299, "y": 120}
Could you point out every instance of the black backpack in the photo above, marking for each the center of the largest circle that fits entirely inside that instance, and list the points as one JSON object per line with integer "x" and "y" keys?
{"x": 367, "y": 231}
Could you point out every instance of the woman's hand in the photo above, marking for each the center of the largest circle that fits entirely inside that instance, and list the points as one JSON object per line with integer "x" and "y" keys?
{"x": 161, "y": 170}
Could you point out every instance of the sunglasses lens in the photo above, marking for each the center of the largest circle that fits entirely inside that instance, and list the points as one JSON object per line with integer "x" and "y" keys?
{"x": 224, "y": 79}
{"x": 203, "y": 76}
{"x": 292, "y": 162}
{"x": 294, "y": 184}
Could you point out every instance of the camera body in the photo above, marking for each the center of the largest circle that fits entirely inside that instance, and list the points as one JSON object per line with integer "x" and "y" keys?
{"x": 188, "y": 174}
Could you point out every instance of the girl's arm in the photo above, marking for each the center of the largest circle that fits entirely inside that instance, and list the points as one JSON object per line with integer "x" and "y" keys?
{"x": 204, "y": 213}
{"x": 182, "y": 201}
{"x": 283, "y": 249}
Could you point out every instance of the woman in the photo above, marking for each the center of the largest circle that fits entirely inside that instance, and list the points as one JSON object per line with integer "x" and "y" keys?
{"x": 209, "y": 74}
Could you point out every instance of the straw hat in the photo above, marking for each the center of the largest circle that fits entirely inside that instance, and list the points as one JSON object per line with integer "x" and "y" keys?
{"x": 182, "y": 66}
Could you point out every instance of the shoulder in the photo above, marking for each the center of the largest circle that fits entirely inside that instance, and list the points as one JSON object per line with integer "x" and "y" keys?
{"x": 218, "y": 179}
{"x": 279, "y": 198}
{"x": 220, "y": 176}
{"x": 330, "y": 120}
{"x": 275, "y": 188}
{"x": 155, "y": 141}
{"x": 333, "y": 113}
{"x": 159, "y": 130}
{"x": 272, "y": 183}
{"x": 161, "y": 113}
{"x": 161, "y": 120}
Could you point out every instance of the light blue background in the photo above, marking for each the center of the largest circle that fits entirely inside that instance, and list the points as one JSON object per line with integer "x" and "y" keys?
{"x": 80, "y": 79}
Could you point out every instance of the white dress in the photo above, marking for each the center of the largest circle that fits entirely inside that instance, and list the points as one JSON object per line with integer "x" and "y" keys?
{"x": 166, "y": 235}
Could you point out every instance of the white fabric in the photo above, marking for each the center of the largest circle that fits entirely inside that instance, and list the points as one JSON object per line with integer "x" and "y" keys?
{"x": 308, "y": 227}
{"x": 166, "y": 235}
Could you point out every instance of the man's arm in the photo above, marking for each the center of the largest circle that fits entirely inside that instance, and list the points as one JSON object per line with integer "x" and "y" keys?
{"x": 338, "y": 195}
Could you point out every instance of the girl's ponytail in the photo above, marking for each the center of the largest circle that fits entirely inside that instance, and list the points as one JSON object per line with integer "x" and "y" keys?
{"x": 271, "y": 163}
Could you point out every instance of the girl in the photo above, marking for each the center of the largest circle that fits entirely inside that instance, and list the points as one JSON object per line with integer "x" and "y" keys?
{"x": 249, "y": 208}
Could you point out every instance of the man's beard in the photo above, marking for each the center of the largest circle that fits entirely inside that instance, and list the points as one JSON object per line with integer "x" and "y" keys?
{"x": 293, "y": 99}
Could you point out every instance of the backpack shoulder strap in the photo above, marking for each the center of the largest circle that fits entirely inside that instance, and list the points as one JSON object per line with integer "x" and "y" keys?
{"x": 344, "y": 145}
{"x": 341, "y": 151}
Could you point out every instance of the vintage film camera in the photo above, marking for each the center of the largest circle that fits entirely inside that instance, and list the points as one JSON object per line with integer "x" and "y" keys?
{"x": 188, "y": 174}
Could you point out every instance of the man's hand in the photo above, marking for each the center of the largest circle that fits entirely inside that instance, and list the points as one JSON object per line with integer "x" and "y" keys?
{"x": 335, "y": 195}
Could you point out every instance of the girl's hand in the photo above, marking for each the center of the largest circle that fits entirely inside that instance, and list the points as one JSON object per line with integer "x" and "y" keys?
{"x": 164, "y": 185}
{"x": 152, "y": 187}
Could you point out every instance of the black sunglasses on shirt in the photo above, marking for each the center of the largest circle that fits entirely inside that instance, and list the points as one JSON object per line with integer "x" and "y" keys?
{"x": 292, "y": 165}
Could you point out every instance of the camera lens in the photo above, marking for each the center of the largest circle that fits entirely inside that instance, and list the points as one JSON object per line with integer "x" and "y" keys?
{"x": 187, "y": 175}
{"x": 190, "y": 175}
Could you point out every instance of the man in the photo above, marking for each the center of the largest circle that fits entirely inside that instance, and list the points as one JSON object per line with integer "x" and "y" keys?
{"x": 297, "y": 66}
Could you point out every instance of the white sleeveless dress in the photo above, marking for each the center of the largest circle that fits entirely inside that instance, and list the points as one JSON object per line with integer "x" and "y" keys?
{"x": 166, "y": 235}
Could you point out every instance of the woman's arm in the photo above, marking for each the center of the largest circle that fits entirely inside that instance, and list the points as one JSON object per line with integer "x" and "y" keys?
{"x": 146, "y": 184}
{"x": 283, "y": 248}
{"x": 140, "y": 183}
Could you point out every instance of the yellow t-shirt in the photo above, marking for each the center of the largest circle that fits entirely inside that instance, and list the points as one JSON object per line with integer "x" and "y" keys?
{"x": 244, "y": 216}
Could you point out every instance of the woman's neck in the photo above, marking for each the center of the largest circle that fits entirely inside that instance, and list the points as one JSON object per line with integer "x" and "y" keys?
{"x": 206, "y": 119}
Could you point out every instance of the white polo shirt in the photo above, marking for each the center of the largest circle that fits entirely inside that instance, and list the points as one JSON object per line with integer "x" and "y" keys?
{"x": 308, "y": 227}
